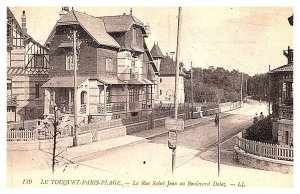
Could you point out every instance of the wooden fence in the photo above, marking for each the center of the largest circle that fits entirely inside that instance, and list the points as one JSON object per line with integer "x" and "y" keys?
{"x": 21, "y": 135}
{"x": 278, "y": 152}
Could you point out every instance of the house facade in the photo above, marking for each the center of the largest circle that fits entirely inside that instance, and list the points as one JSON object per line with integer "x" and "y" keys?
{"x": 114, "y": 67}
{"x": 282, "y": 101}
{"x": 27, "y": 71}
{"x": 165, "y": 81}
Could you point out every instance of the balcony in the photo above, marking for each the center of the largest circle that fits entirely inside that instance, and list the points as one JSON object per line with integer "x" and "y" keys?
{"x": 11, "y": 100}
{"x": 111, "y": 108}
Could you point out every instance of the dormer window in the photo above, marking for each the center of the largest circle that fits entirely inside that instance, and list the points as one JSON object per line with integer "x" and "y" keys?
{"x": 133, "y": 35}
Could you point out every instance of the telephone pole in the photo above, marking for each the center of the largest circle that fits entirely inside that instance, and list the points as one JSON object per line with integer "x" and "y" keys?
{"x": 219, "y": 140}
{"x": 192, "y": 90}
{"x": 269, "y": 91}
{"x": 177, "y": 78}
{"x": 75, "y": 87}
{"x": 242, "y": 90}
{"x": 246, "y": 91}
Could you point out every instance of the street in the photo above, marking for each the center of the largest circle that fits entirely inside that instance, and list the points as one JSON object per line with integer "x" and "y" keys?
{"x": 153, "y": 157}
{"x": 150, "y": 159}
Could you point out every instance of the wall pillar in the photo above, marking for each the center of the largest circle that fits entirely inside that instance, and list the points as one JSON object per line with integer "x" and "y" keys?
{"x": 46, "y": 101}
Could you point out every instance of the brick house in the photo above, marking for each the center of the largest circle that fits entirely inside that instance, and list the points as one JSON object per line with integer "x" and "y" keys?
{"x": 282, "y": 101}
{"x": 114, "y": 67}
{"x": 27, "y": 71}
{"x": 282, "y": 98}
{"x": 165, "y": 91}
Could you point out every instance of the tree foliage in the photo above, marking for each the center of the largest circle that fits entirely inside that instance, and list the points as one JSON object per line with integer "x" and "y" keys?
{"x": 213, "y": 84}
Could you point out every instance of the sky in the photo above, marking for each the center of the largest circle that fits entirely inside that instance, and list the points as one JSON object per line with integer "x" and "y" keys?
{"x": 248, "y": 39}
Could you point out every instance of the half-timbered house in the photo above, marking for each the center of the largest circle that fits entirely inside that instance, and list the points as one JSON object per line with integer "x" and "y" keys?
{"x": 27, "y": 71}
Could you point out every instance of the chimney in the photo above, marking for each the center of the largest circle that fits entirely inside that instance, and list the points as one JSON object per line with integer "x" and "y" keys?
{"x": 64, "y": 11}
{"x": 130, "y": 11}
{"x": 23, "y": 19}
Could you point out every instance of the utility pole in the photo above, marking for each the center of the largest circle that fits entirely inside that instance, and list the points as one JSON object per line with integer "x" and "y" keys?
{"x": 269, "y": 91}
{"x": 219, "y": 140}
{"x": 192, "y": 89}
{"x": 242, "y": 90}
{"x": 246, "y": 91}
{"x": 177, "y": 78}
{"x": 75, "y": 87}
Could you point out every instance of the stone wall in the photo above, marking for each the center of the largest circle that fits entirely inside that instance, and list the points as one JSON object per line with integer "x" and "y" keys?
{"x": 85, "y": 139}
{"x": 111, "y": 133}
{"x": 133, "y": 128}
{"x": 262, "y": 163}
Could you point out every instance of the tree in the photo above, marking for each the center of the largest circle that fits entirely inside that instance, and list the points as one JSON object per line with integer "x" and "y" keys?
{"x": 52, "y": 129}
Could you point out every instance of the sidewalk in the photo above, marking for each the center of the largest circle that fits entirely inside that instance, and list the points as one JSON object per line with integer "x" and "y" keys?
{"x": 39, "y": 159}
{"x": 83, "y": 152}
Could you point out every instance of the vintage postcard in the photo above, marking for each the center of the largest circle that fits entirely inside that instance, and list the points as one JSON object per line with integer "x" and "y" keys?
{"x": 149, "y": 97}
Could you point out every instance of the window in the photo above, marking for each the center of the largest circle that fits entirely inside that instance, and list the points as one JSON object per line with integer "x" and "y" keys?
{"x": 83, "y": 97}
{"x": 134, "y": 35}
{"x": 160, "y": 79}
{"x": 286, "y": 137}
{"x": 70, "y": 62}
{"x": 134, "y": 95}
{"x": 108, "y": 64}
{"x": 37, "y": 90}
{"x": 160, "y": 92}
{"x": 38, "y": 61}
{"x": 108, "y": 95}
{"x": 9, "y": 85}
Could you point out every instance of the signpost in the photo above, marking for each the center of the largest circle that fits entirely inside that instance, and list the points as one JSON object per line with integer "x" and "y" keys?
{"x": 173, "y": 125}
{"x": 172, "y": 139}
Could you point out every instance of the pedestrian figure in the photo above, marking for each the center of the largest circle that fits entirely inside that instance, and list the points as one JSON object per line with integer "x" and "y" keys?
{"x": 255, "y": 119}
{"x": 261, "y": 116}
{"x": 216, "y": 119}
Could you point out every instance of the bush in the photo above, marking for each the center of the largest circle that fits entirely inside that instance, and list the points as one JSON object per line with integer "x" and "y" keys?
{"x": 260, "y": 131}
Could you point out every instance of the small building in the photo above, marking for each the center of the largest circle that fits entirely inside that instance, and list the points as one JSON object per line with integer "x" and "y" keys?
{"x": 27, "y": 71}
{"x": 282, "y": 101}
{"x": 165, "y": 90}
{"x": 114, "y": 76}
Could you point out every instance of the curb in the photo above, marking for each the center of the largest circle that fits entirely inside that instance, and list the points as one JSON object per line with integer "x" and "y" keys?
{"x": 85, "y": 157}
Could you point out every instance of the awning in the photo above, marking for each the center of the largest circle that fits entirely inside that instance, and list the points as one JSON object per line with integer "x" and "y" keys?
{"x": 147, "y": 82}
{"x": 64, "y": 82}
{"x": 113, "y": 80}
{"x": 135, "y": 82}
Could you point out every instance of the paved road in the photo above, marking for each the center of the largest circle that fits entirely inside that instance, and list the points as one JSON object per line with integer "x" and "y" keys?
{"x": 152, "y": 157}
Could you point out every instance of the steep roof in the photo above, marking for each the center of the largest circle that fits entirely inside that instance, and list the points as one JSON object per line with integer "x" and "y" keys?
{"x": 156, "y": 52}
{"x": 167, "y": 67}
{"x": 284, "y": 68}
{"x": 92, "y": 25}
{"x": 27, "y": 36}
{"x": 121, "y": 23}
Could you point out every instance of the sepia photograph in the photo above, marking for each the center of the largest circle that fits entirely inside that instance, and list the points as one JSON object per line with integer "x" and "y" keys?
{"x": 149, "y": 97}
